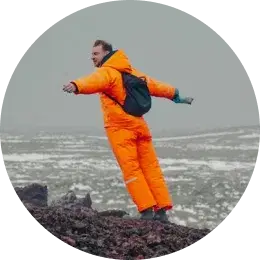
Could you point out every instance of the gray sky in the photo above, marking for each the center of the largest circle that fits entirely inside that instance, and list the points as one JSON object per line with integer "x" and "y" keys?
{"x": 166, "y": 43}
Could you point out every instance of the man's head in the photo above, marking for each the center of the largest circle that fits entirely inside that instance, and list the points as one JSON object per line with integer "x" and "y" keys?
{"x": 99, "y": 51}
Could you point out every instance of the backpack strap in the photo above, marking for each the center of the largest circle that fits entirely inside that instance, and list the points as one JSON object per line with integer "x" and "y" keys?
{"x": 113, "y": 99}
{"x": 143, "y": 78}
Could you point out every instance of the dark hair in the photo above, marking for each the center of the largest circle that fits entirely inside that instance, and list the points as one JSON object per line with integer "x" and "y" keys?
{"x": 105, "y": 45}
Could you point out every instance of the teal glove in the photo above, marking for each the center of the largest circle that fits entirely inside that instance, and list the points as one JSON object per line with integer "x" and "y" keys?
{"x": 180, "y": 100}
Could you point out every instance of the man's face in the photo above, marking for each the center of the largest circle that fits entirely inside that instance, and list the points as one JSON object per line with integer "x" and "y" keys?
{"x": 98, "y": 54}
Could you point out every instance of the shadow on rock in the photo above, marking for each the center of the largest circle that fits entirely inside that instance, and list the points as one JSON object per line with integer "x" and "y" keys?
{"x": 105, "y": 233}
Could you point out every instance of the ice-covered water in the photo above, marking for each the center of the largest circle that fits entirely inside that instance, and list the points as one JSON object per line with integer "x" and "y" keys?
{"x": 207, "y": 173}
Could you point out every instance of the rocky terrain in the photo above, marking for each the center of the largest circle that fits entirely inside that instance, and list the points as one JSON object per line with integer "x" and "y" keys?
{"x": 108, "y": 233}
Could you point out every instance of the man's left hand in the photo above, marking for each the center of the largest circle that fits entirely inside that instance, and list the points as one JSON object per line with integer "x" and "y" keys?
{"x": 70, "y": 88}
{"x": 189, "y": 100}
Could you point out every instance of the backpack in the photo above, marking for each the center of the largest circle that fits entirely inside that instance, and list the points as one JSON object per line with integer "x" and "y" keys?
{"x": 138, "y": 100}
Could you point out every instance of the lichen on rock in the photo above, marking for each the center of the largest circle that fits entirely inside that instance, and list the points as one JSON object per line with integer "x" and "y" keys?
{"x": 106, "y": 233}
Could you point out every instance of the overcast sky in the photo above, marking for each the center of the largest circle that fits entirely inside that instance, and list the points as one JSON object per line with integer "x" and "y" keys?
{"x": 164, "y": 42}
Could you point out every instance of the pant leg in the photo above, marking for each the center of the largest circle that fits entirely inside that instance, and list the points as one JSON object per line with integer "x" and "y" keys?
{"x": 123, "y": 144}
{"x": 152, "y": 171}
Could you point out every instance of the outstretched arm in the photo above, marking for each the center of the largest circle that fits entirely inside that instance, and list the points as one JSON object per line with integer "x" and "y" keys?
{"x": 97, "y": 82}
{"x": 161, "y": 89}
{"x": 165, "y": 90}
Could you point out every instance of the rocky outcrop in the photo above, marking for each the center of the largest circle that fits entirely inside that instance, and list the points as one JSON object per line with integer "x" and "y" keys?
{"x": 105, "y": 233}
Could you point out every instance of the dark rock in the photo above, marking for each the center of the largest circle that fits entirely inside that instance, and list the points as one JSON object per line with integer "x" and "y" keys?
{"x": 106, "y": 233}
{"x": 70, "y": 200}
{"x": 70, "y": 197}
{"x": 87, "y": 201}
{"x": 34, "y": 194}
{"x": 114, "y": 213}
{"x": 69, "y": 240}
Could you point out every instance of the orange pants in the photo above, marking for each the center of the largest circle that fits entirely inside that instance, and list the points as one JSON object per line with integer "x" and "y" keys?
{"x": 142, "y": 174}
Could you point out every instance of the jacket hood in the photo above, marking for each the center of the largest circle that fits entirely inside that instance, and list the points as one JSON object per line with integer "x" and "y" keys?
{"x": 117, "y": 60}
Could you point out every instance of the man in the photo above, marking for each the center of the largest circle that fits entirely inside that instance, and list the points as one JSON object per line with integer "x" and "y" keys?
{"x": 129, "y": 136}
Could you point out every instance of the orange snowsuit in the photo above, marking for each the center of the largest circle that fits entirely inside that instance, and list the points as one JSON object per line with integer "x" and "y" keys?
{"x": 129, "y": 136}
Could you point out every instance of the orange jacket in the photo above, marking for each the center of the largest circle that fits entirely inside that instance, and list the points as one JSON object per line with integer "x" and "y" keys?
{"x": 108, "y": 79}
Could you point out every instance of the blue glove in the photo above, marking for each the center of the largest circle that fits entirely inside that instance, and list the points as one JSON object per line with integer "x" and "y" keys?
{"x": 180, "y": 100}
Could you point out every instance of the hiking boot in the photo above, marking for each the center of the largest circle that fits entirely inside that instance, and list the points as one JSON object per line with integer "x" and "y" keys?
{"x": 161, "y": 216}
{"x": 147, "y": 214}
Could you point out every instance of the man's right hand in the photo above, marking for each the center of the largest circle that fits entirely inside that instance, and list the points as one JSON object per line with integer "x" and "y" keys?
{"x": 70, "y": 88}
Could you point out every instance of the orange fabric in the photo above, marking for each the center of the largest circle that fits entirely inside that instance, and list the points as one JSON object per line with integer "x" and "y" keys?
{"x": 142, "y": 174}
{"x": 108, "y": 79}
{"x": 129, "y": 136}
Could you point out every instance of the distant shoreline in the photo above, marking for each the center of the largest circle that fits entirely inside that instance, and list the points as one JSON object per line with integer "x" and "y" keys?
{"x": 101, "y": 132}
